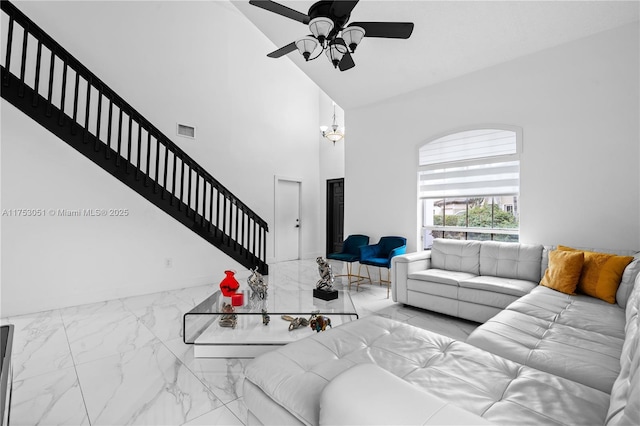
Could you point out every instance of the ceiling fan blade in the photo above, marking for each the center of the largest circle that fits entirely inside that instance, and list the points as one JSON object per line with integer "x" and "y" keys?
{"x": 285, "y": 11}
{"x": 283, "y": 50}
{"x": 386, "y": 29}
{"x": 341, "y": 8}
{"x": 347, "y": 62}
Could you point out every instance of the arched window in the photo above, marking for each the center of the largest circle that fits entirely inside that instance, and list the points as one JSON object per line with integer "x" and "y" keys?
{"x": 468, "y": 185}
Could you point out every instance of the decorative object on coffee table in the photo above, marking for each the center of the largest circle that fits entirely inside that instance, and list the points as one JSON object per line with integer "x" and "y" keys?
{"x": 324, "y": 287}
{"x": 237, "y": 299}
{"x": 228, "y": 318}
{"x": 295, "y": 322}
{"x": 319, "y": 323}
{"x": 257, "y": 285}
{"x": 229, "y": 285}
{"x": 265, "y": 317}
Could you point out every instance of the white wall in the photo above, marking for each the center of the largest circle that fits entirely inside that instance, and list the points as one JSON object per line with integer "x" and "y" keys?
{"x": 578, "y": 106}
{"x": 51, "y": 260}
{"x": 256, "y": 117}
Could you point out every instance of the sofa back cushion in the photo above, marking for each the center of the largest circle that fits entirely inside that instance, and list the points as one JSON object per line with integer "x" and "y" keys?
{"x": 456, "y": 255}
{"x": 624, "y": 408}
{"x": 511, "y": 260}
{"x": 626, "y": 284}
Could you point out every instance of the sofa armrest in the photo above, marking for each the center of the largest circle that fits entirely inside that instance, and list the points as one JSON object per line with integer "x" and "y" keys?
{"x": 367, "y": 394}
{"x": 419, "y": 256}
{"x": 401, "y": 267}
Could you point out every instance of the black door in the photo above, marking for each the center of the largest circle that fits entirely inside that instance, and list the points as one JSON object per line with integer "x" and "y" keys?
{"x": 335, "y": 215}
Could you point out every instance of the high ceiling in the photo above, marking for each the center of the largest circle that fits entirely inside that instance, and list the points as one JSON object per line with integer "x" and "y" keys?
{"x": 450, "y": 39}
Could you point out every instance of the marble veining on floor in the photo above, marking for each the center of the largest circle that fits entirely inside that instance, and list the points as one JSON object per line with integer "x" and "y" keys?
{"x": 123, "y": 362}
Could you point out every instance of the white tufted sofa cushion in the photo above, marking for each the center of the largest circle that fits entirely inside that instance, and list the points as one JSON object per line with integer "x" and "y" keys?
{"x": 511, "y": 260}
{"x": 577, "y": 337}
{"x": 294, "y": 376}
{"x": 357, "y": 383}
{"x": 456, "y": 255}
{"x": 626, "y": 283}
{"x": 625, "y": 395}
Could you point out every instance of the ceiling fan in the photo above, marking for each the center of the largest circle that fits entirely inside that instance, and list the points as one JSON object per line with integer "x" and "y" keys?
{"x": 327, "y": 20}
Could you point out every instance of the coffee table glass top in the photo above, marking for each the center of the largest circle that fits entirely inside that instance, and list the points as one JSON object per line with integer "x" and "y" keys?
{"x": 277, "y": 303}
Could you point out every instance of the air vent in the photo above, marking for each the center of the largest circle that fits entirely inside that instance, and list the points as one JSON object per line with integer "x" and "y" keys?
{"x": 186, "y": 131}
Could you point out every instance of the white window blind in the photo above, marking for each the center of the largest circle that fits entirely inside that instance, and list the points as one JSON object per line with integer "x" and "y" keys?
{"x": 472, "y": 144}
{"x": 489, "y": 179}
{"x": 473, "y": 163}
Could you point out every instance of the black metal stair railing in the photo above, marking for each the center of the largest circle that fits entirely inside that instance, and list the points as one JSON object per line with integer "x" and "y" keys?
{"x": 41, "y": 78}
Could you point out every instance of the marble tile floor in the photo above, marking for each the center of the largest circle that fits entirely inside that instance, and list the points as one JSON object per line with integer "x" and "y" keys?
{"x": 123, "y": 362}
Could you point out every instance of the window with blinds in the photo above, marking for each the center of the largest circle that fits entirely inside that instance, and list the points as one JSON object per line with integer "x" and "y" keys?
{"x": 468, "y": 185}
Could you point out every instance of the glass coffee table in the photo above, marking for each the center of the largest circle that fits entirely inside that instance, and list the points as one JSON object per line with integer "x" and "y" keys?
{"x": 251, "y": 337}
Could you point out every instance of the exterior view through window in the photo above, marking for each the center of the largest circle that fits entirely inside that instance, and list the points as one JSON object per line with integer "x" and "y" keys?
{"x": 468, "y": 186}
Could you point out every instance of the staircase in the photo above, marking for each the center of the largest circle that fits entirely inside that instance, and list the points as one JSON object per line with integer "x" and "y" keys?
{"x": 70, "y": 101}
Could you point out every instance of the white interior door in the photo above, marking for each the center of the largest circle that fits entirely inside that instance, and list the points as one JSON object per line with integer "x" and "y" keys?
{"x": 287, "y": 220}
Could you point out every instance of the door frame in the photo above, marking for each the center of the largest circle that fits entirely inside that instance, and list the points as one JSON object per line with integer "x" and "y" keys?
{"x": 276, "y": 195}
{"x": 329, "y": 209}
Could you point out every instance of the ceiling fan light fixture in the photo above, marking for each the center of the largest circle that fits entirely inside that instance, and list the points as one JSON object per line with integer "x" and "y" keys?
{"x": 306, "y": 45}
{"x": 335, "y": 52}
{"x": 321, "y": 27}
{"x": 352, "y": 36}
{"x": 327, "y": 20}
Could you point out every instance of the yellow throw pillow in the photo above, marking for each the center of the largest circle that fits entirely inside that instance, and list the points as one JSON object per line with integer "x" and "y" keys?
{"x": 564, "y": 270}
{"x": 601, "y": 273}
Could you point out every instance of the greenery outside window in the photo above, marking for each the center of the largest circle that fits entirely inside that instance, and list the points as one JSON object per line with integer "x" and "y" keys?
{"x": 469, "y": 183}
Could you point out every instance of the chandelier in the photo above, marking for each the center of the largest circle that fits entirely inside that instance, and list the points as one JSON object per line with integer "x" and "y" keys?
{"x": 333, "y": 133}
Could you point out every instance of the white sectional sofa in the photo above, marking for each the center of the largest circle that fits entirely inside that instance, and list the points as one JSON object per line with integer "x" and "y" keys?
{"x": 548, "y": 358}
{"x": 474, "y": 280}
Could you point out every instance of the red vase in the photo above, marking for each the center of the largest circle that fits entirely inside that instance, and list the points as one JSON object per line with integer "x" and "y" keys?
{"x": 229, "y": 284}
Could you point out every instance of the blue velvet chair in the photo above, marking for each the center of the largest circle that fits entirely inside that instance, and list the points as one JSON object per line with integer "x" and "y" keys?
{"x": 350, "y": 253}
{"x": 380, "y": 255}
